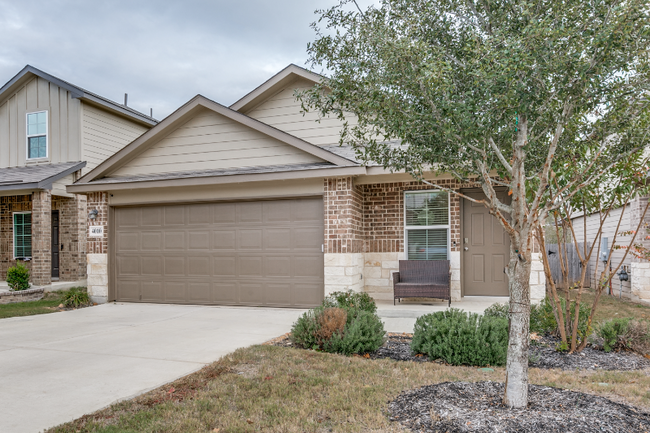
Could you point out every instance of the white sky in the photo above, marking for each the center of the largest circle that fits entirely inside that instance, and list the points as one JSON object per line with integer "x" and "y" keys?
{"x": 162, "y": 53}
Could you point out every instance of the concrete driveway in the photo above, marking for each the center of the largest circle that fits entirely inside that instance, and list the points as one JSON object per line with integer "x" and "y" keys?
{"x": 57, "y": 367}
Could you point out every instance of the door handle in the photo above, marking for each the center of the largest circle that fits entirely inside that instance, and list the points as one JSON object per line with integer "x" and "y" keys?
{"x": 466, "y": 248}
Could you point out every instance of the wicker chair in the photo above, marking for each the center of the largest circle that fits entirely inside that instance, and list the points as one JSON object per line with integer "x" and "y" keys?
{"x": 422, "y": 279}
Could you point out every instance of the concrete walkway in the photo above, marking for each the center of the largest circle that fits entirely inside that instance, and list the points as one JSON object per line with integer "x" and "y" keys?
{"x": 57, "y": 367}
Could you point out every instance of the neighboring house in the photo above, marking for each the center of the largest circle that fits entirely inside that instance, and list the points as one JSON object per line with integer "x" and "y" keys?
{"x": 51, "y": 133}
{"x": 256, "y": 204}
{"x": 637, "y": 287}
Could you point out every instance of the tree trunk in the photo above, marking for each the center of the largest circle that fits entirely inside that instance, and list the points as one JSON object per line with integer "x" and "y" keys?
{"x": 516, "y": 394}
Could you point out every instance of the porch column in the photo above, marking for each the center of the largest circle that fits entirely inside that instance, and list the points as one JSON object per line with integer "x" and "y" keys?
{"x": 97, "y": 247}
{"x": 41, "y": 274}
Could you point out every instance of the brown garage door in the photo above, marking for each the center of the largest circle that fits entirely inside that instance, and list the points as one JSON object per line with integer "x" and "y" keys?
{"x": 245, "y": 253}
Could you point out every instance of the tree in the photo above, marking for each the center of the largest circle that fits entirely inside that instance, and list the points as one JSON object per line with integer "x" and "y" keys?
{"x": 498, "y": 93}
{"x": 615, "y": 190}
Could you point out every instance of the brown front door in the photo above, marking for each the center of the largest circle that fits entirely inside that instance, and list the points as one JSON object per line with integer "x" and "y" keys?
{"x": 485, "y": 250}
{"x": 244, "y": 253}
{"x": 55, "y": 244}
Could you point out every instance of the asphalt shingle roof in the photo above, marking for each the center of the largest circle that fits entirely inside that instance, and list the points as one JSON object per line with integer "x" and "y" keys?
{"x": 36, "y": 176}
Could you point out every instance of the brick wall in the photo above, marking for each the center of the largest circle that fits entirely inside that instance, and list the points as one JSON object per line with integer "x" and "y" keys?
{"x": 99, "y": 201}
{"x": 9, "y": 205}
{"x": 41, "y": 238}
{"x": 343, "y": 203}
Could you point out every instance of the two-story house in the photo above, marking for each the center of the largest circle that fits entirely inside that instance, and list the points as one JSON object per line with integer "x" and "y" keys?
{"x": 51, "y": 133}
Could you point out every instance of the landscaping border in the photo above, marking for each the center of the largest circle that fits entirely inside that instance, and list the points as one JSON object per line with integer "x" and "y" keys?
{"x": 22, "y": 295}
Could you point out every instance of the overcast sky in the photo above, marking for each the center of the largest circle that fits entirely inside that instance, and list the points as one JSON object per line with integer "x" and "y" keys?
{"x": 162, "y": 52}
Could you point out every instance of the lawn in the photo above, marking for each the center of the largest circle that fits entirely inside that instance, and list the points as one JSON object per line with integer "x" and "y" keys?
{"x": 49, "y": 304}
{"x": 278, "y": 389}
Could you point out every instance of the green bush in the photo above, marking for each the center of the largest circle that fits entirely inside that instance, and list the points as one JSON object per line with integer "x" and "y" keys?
{"x": 75, "y": 297}
{"x": 461, "y": 338}
{"x": 350, "y": 299}
{"x": 320, "y": 329}
{"x": 18, "y": 277}
{"x": 497, "y": 310}
{"x": 623, "y": 334}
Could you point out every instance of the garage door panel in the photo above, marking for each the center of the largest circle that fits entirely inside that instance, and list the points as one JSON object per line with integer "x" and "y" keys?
{"x": 174, "y": 215}
{"x": 224, "y": 239}
{"x": 175, "y": 291}
{"x": 151, "y": 217}
{"x": 151, "y": 241}
{"x": 309, "y": 266}
{"x": 151, "y": 265}
{"x": 199, "y": 266}
{"x": 128, "y": 241}
{"x": 152, "y": 291}
{"x": 243, "y": 253}
{"x": 199, "y": 240}
{"x": 174, "y": 240}
{"x": 250, "y": 266}
{"x": 226, "y": 292}
{"x": 225, "y": 266}
{"x": 175, "y": 266}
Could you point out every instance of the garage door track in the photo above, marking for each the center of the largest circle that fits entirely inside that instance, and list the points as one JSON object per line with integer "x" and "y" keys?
{"x": 57, "y": 367}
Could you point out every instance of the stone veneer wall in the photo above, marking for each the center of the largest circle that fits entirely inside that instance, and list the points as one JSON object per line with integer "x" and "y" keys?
{"x": 9, "y": 205}
{"x": 97, "y": 255}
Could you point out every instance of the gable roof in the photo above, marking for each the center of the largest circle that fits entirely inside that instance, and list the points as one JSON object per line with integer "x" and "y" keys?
{"x": 273, "y": 85}
{"x": 28, "y": 72}
{"x": 183, "y": 114}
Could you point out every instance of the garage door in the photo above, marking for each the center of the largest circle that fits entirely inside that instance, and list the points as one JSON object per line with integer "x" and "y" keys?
{"x": 245, "y": 253}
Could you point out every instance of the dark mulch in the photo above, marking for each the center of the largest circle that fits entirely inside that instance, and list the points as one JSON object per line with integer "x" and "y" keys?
{"x": 476, "y": 407}
{"x": 544, "y": 355}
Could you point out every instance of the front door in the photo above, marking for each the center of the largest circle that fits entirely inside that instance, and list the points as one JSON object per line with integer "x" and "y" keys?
{"x": 486, "y": 248}
{"x": 55, "y": 244}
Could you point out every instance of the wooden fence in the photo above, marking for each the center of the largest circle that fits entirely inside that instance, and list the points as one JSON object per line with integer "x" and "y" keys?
{"x": 573, "y": 262}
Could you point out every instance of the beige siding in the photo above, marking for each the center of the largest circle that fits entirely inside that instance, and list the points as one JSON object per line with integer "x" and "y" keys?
{"x": 609, "y": 230}
{"x": 58, "y": 187}
{"x": 283, "y": 111}
{"x": 63, "y": 124}
{"x": 211, "y": 141}
{"x": 104, "y": 134}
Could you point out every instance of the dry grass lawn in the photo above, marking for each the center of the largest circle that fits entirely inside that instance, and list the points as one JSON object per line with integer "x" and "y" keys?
{"x": 276, "y": 389}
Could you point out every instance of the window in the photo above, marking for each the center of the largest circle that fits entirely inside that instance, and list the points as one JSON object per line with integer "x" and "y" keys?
{"x": 37, "y": 135}
{"x": 427, "y": 225}
{"x": 22, "y": 235}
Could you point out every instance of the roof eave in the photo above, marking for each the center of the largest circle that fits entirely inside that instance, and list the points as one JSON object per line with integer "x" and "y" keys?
{"x": 217, "y": 180}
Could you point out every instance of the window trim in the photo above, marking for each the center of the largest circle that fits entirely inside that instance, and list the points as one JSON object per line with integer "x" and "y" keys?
{"x": 440, "y": 226}
{"x": 28, "y": 136}
{"x": 13, "y": 228}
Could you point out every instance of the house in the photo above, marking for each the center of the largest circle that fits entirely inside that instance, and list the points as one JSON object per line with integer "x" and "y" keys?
{"x": 51, "y": 133}
{"x": 256, "y": 204}
{"x": 637, "y": 287}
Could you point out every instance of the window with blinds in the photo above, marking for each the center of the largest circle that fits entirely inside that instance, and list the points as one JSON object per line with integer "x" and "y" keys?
{"x": 427, "y": 225}
{"x": 22, "y": 235}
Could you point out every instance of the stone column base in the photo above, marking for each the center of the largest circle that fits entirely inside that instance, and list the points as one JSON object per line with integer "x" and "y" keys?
{"x": 98, "y": 277}
{"x": 343, "y": 272}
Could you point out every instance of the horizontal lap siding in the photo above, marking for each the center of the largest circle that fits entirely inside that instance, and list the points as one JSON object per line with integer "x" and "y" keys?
{"x": 212, "y": 141}
{"x": 104, "y": 134}
{"x": 64, "y": 135}
{"x": 284, "y": 112}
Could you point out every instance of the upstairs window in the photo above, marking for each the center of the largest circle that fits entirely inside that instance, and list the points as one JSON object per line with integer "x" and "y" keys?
{"x": 22, "y": 235}
{"x": 37, "y": 135}
{"x": 427, "y": 225}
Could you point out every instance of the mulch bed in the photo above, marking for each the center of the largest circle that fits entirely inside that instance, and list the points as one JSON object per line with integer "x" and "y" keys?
{"x": 542, "y": 355}
{"x": 477, "y": 407}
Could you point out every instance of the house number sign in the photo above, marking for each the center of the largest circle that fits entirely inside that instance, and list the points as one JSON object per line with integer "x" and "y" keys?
{"x": 96, "y": 231}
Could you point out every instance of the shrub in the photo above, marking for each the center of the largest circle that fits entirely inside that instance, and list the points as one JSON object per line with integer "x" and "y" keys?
{"x": 623, "y": 334}
{"x": 461, "y": 338}
{"x": 497, "y": 310}
{"x": 18, "y": 277}
{"x": 75, "y": 297}
{"x": 338, "y": 330}
{"x": 350, "y": 299}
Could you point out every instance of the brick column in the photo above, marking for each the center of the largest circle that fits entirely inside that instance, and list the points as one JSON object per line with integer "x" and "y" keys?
{"x": 41, "y": 238}
{"x": 97, "y": 248}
